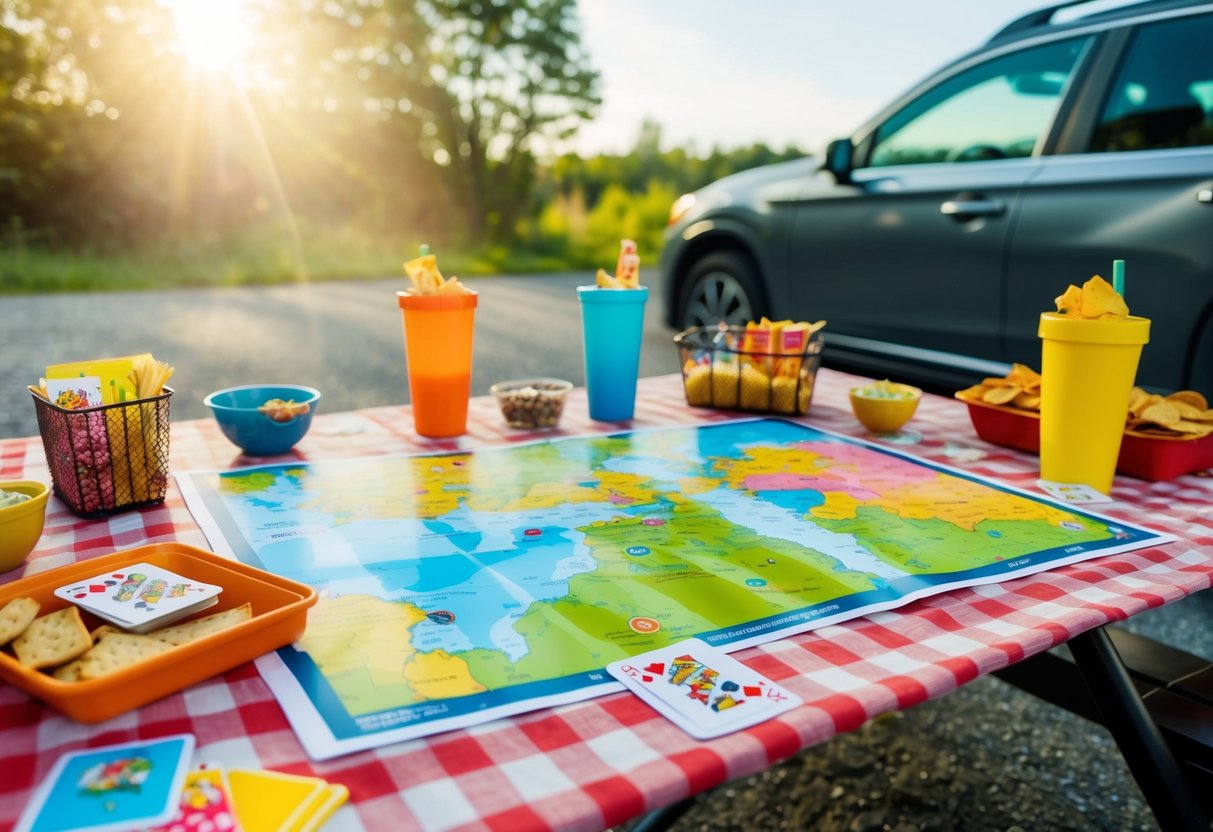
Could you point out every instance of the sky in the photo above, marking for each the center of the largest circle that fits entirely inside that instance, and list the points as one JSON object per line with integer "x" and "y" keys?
{"x": 736, "y": 72}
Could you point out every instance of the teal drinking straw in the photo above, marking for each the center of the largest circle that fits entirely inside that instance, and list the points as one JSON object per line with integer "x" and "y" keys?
{"x": 1118, "y": 277}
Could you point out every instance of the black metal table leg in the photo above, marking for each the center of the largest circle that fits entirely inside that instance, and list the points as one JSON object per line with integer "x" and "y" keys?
{"x": 659, "y": 820}
{"x": 1140, "y": 742}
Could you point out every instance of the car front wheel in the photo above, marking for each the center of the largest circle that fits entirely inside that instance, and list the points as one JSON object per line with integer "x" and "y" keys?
{"x": 723, "y": 286}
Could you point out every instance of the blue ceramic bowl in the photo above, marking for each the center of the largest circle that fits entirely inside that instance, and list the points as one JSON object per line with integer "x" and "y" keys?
{"x": 254, "y": 432}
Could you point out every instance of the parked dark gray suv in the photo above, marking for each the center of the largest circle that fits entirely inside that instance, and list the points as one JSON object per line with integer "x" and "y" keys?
{"x": 933, "y": 238}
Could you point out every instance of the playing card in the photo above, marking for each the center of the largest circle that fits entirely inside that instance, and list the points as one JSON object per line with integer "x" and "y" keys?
{"x": 115, "y": 788}
{"x": 701, "y": 690}
{"x": 140, "y": 597}
{"x": 1072, "y": 492}
{"x": 74, "y": 393}
{"x": 274, "y": 801}
{"x": 204, "y": 805}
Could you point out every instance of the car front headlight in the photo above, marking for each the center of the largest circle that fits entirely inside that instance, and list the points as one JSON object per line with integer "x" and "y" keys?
{"x": 680, "y": 207}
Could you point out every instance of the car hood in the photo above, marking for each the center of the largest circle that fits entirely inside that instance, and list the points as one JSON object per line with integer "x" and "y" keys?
{"x": 769, "y": 183}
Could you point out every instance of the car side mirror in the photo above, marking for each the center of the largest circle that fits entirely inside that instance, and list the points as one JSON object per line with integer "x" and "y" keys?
{"x": 839, "y": 159}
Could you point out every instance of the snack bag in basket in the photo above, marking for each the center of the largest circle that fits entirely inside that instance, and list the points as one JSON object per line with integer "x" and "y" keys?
{"x": 792, "y": 386}
{"x": 793, "y": 338}
{"x": 756, "y": 366}
{"x": 756, "y": 344}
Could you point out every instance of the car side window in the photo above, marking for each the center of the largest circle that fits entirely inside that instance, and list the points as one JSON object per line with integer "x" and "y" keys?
{"x": 1163, "y": 93}
{"x": 996, "y": 110}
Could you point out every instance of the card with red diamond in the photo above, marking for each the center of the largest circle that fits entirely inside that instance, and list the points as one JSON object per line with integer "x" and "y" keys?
{"x": 702, "y": 690}
{"x": 140, "y": 597}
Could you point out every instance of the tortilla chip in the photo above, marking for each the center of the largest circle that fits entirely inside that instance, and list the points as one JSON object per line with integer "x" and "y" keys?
{"x": 1099, "y": 299}
{"x": 1024, "y": 376}
{"x": 423, "y": 273}
{"x": 1192, "y": 428}
{"x": 1190, "y": 397}
{"x": 1069, "y": 302}
{"x": 1142, "y": 404}
{"x": 1160, "y": 413}
{"x": 1000, "y": 395}
{"x": 971, "y": 394}
{"x": 1027, "y": 401}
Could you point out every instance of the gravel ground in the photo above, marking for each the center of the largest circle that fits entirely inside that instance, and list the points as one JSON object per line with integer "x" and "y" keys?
{"x": 987, "y": 757}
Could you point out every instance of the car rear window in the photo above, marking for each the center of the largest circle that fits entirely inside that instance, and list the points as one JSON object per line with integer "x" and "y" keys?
{"x": 1163, "y": 93}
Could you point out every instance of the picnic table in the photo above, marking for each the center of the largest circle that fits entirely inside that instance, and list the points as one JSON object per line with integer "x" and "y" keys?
{"x": 597, "y": 763}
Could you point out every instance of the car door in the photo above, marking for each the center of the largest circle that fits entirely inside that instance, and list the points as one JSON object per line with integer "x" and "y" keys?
{"x": 913, "y": 252}
{"x": 1138, "y": 186}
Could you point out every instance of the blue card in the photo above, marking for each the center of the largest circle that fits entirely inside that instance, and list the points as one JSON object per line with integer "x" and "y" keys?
{"x": 118, "y": 787}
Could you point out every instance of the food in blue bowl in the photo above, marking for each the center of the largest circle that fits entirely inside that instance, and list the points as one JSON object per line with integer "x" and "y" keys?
{"x": 264, "y": 419}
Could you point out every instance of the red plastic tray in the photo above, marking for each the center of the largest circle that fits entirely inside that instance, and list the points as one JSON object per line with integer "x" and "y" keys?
{"x": 1147, "y": 458}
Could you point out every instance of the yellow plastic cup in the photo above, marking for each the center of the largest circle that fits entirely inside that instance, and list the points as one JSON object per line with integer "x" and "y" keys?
{"x": 438, "y": 348}
{"x": 1087, "y": 372}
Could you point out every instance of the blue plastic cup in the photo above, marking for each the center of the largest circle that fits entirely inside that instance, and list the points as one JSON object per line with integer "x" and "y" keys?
{"x": 612, "y": 322}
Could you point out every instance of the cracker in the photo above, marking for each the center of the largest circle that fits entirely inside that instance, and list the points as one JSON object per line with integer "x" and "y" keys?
{"x": 101, "y": 630}
{"x": 69, "y": 672}
{"x": 116, "y": 651}
{"x": 199, "y": 627}
{"x": 53, "y": 639}
{"x": 15, "y": 616}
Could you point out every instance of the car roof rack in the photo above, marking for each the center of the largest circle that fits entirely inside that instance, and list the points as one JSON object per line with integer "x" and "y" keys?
{"x": 1044, "y": 16}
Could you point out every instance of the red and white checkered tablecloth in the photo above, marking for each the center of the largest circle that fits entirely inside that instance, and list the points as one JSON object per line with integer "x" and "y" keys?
{"x": 598, "y": 763}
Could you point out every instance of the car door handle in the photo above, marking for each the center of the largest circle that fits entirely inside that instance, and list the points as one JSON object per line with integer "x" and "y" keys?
{"x": 967, "y": 209}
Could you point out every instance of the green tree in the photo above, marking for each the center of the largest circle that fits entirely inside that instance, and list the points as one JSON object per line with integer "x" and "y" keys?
{"x": 42, "y": 113}
{"x": 501, "y": 73}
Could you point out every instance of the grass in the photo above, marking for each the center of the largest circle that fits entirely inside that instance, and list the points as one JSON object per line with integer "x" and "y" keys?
{"x": 259, "y": 258}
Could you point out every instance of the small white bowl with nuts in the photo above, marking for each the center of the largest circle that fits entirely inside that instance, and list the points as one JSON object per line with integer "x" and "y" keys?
{"x": 532, "y": 403}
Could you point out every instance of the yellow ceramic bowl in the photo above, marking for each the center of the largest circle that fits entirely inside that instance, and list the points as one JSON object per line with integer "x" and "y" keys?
{"x": 883, "y": 407}
{"x": 21, "y": 524}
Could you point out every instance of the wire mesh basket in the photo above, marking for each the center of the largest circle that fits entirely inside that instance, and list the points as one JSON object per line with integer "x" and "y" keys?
{"x": 718, "y": 370}
{"x": 107, "y": 459}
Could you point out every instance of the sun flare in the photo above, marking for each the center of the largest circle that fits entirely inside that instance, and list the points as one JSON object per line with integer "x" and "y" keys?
{"x": 213, "y": 33}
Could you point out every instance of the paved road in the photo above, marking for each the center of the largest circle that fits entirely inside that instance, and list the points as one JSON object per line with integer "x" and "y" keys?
{"x": 345, "y": 339}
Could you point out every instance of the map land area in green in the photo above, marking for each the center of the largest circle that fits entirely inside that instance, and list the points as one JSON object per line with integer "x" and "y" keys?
{"x": 461, "y": 587}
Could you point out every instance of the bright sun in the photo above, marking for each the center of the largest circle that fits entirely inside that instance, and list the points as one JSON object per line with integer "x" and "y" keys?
{"x": 213, "y": 33}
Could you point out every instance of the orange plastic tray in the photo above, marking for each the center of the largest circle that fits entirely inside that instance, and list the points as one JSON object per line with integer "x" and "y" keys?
{"x": 1145, "y": 457}
{"x": 279, "y": 618}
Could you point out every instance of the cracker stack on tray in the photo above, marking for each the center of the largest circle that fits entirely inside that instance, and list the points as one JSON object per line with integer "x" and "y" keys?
{"x": 61, "y": 644}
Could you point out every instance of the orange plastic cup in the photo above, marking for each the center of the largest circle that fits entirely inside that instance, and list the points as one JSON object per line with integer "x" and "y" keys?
{"x": 438, "y": 349}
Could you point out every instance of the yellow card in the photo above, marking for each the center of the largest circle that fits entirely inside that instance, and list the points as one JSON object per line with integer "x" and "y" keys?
{"x": 113, "y": 372}
{"x": 321, "y": 808}
{"x": 272, "y": 801}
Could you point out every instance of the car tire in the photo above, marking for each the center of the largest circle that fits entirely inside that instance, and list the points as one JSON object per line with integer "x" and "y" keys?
{"x": 721, "y": 286}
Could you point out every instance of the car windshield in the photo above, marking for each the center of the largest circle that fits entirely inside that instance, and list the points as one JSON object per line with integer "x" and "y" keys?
{"x": 998, "y": 109}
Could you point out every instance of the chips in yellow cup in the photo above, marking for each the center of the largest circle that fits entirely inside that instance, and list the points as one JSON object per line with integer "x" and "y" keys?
{"x": 1096, "y": 300}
